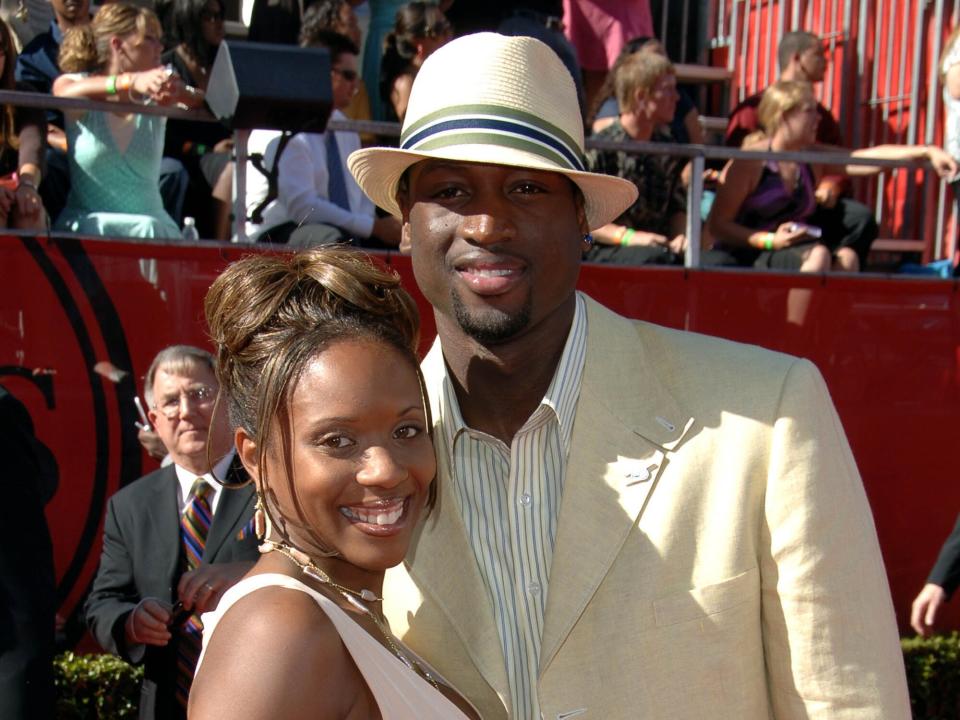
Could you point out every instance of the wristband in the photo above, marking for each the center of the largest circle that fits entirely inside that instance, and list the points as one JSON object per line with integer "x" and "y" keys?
{"x": 124, "y": 82}
{"x": 627, "y": 236}
{"x": 768, "y": 241}
{"x": 111, "y": 84}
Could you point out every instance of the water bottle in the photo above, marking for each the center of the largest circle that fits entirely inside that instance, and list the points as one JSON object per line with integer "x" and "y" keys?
{"x": 190, "y": 229}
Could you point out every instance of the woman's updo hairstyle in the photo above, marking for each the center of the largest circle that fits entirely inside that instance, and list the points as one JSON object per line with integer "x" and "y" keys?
{"x": 269, "y": 315}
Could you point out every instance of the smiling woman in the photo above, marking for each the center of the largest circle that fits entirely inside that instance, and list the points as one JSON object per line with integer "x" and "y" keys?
{"x": 317, "y": 365}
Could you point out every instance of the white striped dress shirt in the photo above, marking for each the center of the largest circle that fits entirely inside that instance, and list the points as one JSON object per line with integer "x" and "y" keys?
{"x": 509, "y": 498}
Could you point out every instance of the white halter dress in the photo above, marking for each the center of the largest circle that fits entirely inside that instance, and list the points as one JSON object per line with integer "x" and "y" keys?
{"x": 400, "y": 693}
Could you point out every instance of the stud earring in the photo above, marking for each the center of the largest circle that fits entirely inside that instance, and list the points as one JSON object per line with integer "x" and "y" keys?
{"x": 588, "y": 239}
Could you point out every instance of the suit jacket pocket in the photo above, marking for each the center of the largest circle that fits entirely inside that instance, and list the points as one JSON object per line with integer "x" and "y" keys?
{"x": 700, "y": 602}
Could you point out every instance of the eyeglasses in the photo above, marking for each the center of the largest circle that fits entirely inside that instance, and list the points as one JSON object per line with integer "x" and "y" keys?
{"x": 200, "y": 397}
{"x": 346, "y": 74}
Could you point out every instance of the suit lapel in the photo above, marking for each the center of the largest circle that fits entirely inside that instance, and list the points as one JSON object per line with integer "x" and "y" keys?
{"x": 163, "y": 518}
{"x": 620, "y": 447}
{"x": 232, "y": 504}
{"x": 442, "y": 562}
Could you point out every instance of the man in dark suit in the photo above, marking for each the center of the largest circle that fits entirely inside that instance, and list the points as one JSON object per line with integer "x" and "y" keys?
{"x": 150, "y": 559}
{"x": 943, "y": 581}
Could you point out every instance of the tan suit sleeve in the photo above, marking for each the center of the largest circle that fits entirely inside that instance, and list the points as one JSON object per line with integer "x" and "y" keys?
{"x": 830, "y": 637}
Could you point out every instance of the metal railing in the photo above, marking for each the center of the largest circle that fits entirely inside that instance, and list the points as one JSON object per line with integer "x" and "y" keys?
{"x": 698, "y": 155}
{"x": 881, "y": 83}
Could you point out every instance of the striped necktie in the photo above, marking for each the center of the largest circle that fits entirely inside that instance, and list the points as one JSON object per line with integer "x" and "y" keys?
{"x": 194, "y": 525}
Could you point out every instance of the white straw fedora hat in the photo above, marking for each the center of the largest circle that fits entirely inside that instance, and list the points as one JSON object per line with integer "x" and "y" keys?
{"x": 493, "y": 99}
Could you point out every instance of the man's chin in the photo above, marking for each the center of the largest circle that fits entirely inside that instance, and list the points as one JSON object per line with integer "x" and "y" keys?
{"x": 489, "y": 325}
{"x": 193, "y": 444}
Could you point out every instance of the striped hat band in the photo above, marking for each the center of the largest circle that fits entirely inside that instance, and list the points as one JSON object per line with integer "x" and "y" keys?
{"x": 493, "y": 125}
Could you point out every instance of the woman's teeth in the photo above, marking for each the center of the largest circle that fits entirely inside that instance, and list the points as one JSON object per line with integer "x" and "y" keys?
{"x": 374, "y": 516}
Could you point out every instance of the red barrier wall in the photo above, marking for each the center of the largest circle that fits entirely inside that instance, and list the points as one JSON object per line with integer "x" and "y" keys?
{"x": 888, "y": 347}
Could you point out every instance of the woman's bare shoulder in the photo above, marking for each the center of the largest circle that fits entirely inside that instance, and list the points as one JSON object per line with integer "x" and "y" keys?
{"x": 275, "y": 653}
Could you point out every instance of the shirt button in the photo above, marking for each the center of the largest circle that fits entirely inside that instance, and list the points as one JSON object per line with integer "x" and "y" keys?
{"x": 525, "y": 499}
{"x": 534, "y": 588}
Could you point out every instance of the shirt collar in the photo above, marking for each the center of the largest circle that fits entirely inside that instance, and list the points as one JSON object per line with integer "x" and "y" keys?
{"x": 55, "y": 32}
{"x": 562, "y": 393}
{"x": 185, "y": 479}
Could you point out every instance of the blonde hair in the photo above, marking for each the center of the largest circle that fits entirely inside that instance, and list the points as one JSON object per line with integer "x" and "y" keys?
{"x": 639, "y": 71}
{"x": 86, "y": 48}
{"x": 269, "y": 315}
{"x": 779, "y": 99}
{"x": 947, "y": 46}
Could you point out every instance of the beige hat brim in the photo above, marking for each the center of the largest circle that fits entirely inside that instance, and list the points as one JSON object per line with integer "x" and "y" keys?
{"x": 378, "y": 170}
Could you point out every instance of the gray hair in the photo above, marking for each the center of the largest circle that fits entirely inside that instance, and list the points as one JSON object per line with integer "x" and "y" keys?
{"x": 176, "y": 359}
{"x": 794, "y": 42}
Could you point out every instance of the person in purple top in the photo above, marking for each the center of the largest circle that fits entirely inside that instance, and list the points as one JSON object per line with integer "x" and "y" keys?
{"x": 761, "y": 207}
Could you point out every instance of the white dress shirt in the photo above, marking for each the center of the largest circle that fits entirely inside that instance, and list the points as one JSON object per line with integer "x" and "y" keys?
{"x": 302, "y": 181}
{"x": 185, "y": 480}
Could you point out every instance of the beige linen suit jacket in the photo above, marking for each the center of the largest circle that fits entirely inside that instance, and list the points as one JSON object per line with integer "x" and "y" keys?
{"x": 715, "y": 555}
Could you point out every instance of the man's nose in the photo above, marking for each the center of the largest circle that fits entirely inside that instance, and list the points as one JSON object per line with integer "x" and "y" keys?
{"x": 382, "y": 468}
{"x": 188, "y": 406}
{"x": 488, "y": 224}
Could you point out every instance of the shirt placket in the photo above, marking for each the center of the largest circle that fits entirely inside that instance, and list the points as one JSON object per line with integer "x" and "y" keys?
{"x": 530, "y": 578}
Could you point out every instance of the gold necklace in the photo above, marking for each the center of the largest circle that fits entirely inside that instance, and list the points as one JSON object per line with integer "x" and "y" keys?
{"x": 356, "y": 600}
{"x": 309, "y": 568}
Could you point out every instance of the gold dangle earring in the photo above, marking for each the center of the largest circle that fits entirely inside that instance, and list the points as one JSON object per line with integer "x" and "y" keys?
{"x": 261, "y": 519}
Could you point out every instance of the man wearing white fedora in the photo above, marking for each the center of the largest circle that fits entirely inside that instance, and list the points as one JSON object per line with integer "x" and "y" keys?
{"x": 632, "y": 521}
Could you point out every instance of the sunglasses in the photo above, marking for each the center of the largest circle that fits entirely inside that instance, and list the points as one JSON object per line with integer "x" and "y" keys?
{"x": 346, "y": 74}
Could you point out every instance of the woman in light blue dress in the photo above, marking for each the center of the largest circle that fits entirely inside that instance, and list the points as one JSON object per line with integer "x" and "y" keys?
{"x": 115, "y": 157}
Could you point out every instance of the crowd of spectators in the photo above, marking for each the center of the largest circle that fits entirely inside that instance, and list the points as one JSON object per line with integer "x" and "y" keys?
{"x": 90, "y": 167}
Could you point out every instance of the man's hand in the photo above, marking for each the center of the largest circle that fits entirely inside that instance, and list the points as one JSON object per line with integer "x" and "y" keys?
{"x": 926, "y": 605}
{"x": 148, "y": 623}
{"x": 200, "y": 589}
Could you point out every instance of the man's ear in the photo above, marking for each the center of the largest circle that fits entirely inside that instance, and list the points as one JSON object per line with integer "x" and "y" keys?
{"x": 582, "y": 214}
{"x": 248, "y": 453}
{"x": 406, "y": 243}
{"x": 406, "y": 246}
